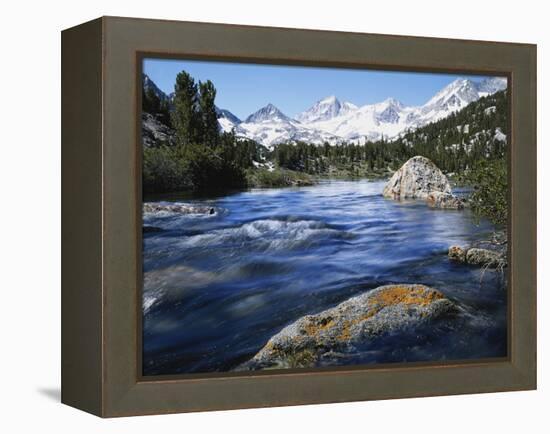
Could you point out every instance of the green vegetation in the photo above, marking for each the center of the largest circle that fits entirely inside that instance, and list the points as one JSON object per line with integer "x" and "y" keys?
{"x": 372, "y": 159}
{"x": 464, "y": 138}
{"x": 489, "y": 180}
{"x": 202, "y": 159}
{"x": 277, "y": 178}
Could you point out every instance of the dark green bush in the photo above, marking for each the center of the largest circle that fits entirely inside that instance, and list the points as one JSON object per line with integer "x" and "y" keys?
{"x": 489, "y": 179}
{"x": 189, "y": 168}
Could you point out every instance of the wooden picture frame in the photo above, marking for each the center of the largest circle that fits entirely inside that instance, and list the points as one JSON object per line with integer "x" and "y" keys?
{"x": 101, "y": 216}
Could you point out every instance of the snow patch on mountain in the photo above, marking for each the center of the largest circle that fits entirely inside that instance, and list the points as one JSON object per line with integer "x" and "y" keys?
{"x": 227, "y": 120}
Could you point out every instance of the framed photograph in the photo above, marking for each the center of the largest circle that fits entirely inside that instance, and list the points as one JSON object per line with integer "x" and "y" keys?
{"x": 260, "y": 216}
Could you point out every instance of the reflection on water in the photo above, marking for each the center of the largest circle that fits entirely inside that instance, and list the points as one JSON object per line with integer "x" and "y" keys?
{"x": 218, "y": 286}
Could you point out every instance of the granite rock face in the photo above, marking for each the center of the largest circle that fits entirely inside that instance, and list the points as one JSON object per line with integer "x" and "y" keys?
{"x": 416, "y": 179}
{"x": 379, "y": 312}
{"x": 154, "y": 132}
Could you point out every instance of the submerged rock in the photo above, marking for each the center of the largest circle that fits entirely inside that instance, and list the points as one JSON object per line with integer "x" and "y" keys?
{"x": 177, "y": 208}
{"x": 384, "y": 310}
{"x": 416, "y": 179}
{"x": 438, "y": 199}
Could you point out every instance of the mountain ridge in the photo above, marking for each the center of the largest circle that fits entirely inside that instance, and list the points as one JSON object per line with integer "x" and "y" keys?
{"x": 333, "y": 121}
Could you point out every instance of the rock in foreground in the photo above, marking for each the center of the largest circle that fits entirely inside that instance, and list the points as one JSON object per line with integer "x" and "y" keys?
{"x": 384, "y": 310}
{"x": 416, "y": 179}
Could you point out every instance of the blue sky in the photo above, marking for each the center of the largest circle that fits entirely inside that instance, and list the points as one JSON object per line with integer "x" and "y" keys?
{"x": 245, "y": 88}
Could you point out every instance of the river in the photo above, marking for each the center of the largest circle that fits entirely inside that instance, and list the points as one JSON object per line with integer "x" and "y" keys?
{"x": 218, "y": 286}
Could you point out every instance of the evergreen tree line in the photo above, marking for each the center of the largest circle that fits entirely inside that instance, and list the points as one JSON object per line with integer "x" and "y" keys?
{"x": 463, "y": 139}
{"x": 321, "y": 160}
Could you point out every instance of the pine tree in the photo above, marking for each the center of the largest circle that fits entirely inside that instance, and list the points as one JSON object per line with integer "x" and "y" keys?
{"x": 209, "y": 119}
{"x": 151, "y": 101}
{"x": 185, "y": 117}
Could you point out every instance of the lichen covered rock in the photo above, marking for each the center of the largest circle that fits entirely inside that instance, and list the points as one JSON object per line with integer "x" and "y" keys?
{"x": 478, "y": 256}
{"x": 483, "y": 257}
{"x": 384, "y": 310}
{"x": 416, "y": 179}
{"x": 438, "y": 199}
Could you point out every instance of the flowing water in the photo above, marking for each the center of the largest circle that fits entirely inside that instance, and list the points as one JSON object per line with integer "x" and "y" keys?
{"x": 218, "y": 286}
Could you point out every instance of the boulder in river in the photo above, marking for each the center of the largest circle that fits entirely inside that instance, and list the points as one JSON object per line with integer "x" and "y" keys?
{"x": 438, "y": 199}
{"x": 416, "y": 179}
{"x": 384, "y": 310}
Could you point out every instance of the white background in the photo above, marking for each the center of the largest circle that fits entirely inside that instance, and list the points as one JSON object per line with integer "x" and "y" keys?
{"x": 30, "y": 215}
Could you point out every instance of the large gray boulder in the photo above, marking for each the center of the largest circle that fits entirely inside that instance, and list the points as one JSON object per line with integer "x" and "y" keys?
{"x": 358, "y": 320}
{"x": 416, "y": 179}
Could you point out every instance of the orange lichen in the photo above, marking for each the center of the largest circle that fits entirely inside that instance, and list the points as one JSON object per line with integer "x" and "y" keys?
{"x": 391, "y": 296}
{"x": 345, "y": 334}
{"x": 399, "y": 294}
{"x": 315, "y": 326}
{"x": 416, "y": 295}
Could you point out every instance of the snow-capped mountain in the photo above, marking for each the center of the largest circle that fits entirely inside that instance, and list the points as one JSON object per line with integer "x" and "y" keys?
{"x": 227, "y": 120}
{"x": 491, "y": 85}
{"x": 390, "y": 118}
{"x": 327, "y": 108}
{"x": 330, "y": 120}
{"x": 269, "y": 113}
{"x": 270, "y": 126}
{"x": 370, "y": 122}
